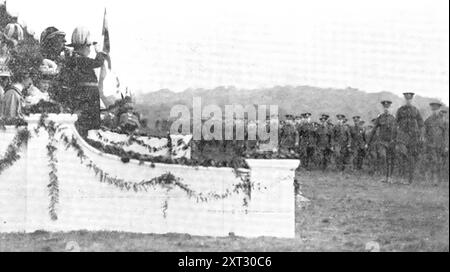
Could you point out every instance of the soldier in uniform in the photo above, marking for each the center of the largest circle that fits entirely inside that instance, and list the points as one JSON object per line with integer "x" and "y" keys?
{"x": 373, "y": 158}
{"x": 288, "y": 134}
{"x": 435, "y": 136}
{"x": 358, "y": 143}
{"x": 445, "y": 162}
{"x": 386, "y": 127}
{"x": 307, "y": 140}
{"x": 324, "y": 133}
{"x": 341, "y": 142}
{"x": 410, "y": 134}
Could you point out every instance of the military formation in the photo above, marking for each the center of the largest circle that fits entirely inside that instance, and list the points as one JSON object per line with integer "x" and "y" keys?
{"x": 401, "y": 142}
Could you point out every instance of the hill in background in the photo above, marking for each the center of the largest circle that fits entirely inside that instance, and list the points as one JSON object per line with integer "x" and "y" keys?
{"x": 290, "y": 100}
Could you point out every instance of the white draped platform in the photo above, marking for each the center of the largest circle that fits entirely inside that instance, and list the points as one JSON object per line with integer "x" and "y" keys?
{"x": 87, "y": 204}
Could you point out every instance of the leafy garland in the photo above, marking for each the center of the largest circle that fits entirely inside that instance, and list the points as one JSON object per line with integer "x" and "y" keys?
{"x": 44, "y": 107}
{"x": 53, "y": 185}
{"x": 12, "y": 152}
{"x": 167, "y": 180}
{"x": 132, "y": 139}
{"x": 236, "y": 162}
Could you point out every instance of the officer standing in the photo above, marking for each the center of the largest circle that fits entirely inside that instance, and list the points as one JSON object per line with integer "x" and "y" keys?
{"x": 410, "y": 133}
{"x": 435, "y": 142}
{"x": 341, "y": 142}
{"x": 358, "y": 143}
{"x": 307, "y": 139}
{"x": 324, "y": 141}
{"x": 386, "y": 127}
{"x": 288, "y": 134}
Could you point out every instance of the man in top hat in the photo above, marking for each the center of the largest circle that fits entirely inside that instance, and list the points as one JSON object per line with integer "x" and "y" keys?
{"x": 435, "y": 137}
{"x": 410, "y": 133}
{"x": 385, "y": 125}
{"x": 341, "y": 142}
{"x": 324, "y": 134}
{"x": 358, "y": 142}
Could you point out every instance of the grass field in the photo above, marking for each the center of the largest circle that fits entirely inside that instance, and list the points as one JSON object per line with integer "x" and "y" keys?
{"x": 345, "y": 212}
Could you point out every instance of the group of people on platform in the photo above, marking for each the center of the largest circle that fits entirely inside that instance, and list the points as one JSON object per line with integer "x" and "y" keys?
{"x": 53, "y": 70}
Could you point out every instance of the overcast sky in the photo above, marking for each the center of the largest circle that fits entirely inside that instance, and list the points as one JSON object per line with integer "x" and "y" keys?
{"x": 383, "y": 45}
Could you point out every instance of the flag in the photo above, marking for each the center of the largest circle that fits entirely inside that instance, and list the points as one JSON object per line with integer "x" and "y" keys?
{"x": 104, "y": 70}
{"x": 105, "y": 34}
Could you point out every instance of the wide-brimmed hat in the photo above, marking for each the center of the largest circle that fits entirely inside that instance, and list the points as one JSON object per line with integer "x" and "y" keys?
{"x": 81, "y": 36}
{"x": 49, "y": 33}
{"x": 13, "y": 32}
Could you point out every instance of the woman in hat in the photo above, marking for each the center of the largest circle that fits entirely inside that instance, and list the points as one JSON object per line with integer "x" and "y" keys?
{"x": 11, "y": 36}
{"x": 23, "y": 67}
{"x": 53, "y": 50}
{"x": 83, "y": 88}
{"x": 52, "y": 43}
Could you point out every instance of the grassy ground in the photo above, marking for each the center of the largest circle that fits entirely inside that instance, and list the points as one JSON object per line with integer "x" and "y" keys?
{"x": 345, "y": 212}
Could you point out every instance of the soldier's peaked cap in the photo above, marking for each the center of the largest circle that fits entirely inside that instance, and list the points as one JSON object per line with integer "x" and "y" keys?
{"x": 340, "y": 115}
{"x": 386, "y": 102}
{"x": 307, "y": 114}
{"x": 408, "y": 94}
{"x": 325, "y": 116}
{"x": 436, "y": 104}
